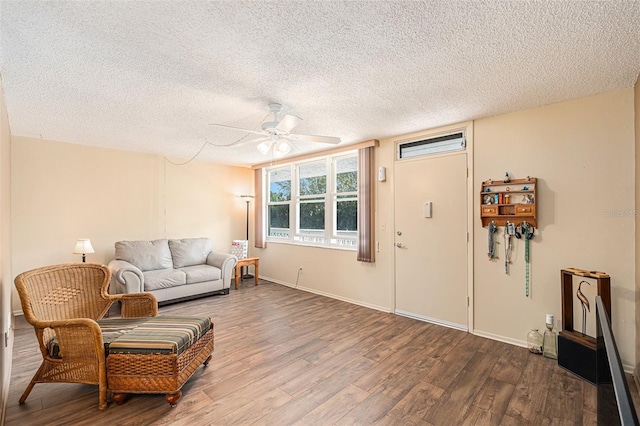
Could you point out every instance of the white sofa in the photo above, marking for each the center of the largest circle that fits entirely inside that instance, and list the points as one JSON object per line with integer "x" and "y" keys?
{"x": 173, "y": 270}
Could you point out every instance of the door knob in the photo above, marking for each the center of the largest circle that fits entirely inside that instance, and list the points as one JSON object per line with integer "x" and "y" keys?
{"x": 400, "y": 245}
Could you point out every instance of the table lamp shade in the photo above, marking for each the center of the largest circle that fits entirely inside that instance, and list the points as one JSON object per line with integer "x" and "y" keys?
{"x": 83, "y": 246}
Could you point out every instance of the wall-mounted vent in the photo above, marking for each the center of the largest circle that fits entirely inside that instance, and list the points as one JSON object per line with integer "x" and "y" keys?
{"x": 436, "y": 145}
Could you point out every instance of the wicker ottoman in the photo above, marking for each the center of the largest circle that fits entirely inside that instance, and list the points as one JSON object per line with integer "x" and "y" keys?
{"x": 158, "y": 356}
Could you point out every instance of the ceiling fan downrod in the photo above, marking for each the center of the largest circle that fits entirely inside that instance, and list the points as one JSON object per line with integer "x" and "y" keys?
{"x": 275, "y": 109}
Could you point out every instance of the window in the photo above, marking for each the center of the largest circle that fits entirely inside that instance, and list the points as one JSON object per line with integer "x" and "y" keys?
{"x": 311, "y": 201}
{"x": 279, "y": 203}
{"x": 314, "y": 202}
{"x": 435, "y": 145}
{"x": 346, "y": 198}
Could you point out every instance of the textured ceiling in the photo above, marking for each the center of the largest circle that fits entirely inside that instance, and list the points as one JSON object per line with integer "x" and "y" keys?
{"x": 150, "y": 76}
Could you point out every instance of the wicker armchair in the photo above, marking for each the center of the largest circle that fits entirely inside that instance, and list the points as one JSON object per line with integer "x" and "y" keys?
{"x": 64, "y": 302}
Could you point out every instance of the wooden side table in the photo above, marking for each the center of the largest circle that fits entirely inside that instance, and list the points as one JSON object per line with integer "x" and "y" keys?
{"x": 255, "y": 261}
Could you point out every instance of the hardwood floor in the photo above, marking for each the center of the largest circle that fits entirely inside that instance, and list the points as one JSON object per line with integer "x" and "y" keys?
{"x": 285, "y": 356}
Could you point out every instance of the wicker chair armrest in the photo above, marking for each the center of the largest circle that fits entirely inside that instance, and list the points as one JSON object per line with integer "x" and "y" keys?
{"x": 128, "y": 275}
{"x": 136, "y": 305}
{"x": 78, "y": 338}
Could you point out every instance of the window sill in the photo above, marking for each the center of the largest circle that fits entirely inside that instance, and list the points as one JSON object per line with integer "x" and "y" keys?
{"x": 307, "y": 244}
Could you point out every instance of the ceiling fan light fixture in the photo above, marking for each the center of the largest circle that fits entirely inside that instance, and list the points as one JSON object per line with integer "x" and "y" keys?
{"x": 277, "y": 133}
{"x": 281, "y": 148}
{"x": 264, "y": 147}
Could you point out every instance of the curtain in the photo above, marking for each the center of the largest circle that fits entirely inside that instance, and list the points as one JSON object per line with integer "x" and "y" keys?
{"x": 366, "y": 209}
{"x": 258, "y": 235}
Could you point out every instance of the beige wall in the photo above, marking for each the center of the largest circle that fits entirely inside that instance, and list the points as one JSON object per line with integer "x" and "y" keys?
{"x": 6, "y": 317}
{"x": 337, "y": 273}
{"x": 582, "y": 151}
{"x": 637, "y": 258}
{"x": 62, "y": 192}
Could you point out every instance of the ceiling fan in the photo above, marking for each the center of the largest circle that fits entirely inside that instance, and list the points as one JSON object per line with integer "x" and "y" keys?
{"x": 277, "y": 132}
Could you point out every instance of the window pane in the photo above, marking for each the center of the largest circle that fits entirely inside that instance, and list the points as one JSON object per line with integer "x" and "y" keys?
{"x": 313, "y": 178}
{"x": 279, "y": 220}
{"x": 312, "y": 216}
{"x": 314, "y": 202}
{"x": 347, "y": 174}
{"x": 346, "y": 215}
{"x": 280, "y": 185}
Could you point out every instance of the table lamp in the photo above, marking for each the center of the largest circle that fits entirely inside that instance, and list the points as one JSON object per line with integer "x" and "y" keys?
{"x": 83, "y": 246}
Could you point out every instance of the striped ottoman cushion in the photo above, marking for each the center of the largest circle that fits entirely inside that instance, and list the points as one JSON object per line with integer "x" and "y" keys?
{"x": 111, "y": 329}
{"x": 164, "y": 334}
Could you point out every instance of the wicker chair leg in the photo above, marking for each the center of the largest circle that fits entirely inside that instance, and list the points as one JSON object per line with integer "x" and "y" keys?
{"x": 27, "y": 391}
{"x": 102, "y": 392}
{"x": 172, "y": 398}
{"x": 33, "y": 382}
{"x": 206, "y": 361}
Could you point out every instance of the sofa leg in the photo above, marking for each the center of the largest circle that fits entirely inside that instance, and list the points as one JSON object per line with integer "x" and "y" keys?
{"x": 225, "y": 291}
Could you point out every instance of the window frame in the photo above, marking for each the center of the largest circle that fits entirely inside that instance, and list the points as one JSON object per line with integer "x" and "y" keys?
{"x": 330, "y": 237}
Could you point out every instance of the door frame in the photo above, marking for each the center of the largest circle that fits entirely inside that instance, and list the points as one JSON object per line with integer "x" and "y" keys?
{"x": 467, "y": 127}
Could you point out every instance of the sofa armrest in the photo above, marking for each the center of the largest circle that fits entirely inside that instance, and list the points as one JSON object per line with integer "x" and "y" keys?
{"x": 225, "y": 262}
{"x": 128, "y": 278}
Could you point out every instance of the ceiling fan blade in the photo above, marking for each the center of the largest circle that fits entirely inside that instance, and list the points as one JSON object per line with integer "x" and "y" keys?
{"x": 250, "y": 140}
{"x": 314, "y": 138}
{"x": 288, "y": 123}
{"x": 255, "y": 132}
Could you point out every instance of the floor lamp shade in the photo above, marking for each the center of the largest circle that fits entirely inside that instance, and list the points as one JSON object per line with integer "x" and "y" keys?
{"x": 83, "y": 246}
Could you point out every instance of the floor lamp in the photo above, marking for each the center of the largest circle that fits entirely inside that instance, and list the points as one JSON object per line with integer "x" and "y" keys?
{"x": 247, "y": 199}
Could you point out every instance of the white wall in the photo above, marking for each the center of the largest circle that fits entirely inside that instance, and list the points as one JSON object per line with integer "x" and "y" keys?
{"x": 62, "y": 192}
{"x": 6, "y": 317}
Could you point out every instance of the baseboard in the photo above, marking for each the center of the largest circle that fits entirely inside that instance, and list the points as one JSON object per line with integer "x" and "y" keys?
{"x": 330, "y": 295}
{"x": 522, "y": 343}
{"x": 503, "y": 339}
{"x": 433, "y": 320}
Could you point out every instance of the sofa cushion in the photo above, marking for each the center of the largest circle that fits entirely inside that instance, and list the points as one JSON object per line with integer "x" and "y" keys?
{"x": 146, "y": 255}
{"x": 201, "y": 273}
{"x": 190, "y": 251}
{"x": 163, "y": 278}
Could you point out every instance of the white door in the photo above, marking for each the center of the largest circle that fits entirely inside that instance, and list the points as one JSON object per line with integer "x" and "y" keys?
{"x": 431, "y": 252}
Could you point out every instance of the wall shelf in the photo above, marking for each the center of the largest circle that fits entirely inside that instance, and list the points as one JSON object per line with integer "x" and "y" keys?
{"x": 509, "y": 201}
